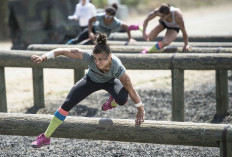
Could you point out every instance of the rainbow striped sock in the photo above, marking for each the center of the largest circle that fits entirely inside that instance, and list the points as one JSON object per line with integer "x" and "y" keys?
{"x": 57, "y": 119}
{"x": 155, "y": 48}
{"x": 69, "y": 42}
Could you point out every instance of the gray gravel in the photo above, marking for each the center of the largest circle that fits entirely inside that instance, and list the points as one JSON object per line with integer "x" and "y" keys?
{"x": 199, "y": 107}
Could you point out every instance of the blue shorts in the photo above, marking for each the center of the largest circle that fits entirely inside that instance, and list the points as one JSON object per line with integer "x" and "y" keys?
{"x": 165, "y": 26}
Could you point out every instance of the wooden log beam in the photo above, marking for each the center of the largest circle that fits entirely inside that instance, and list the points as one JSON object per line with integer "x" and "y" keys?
{"x": 22, "y": 58}
{"x": 183, "y": 61}
{"x": 174, "y": 44}
{"x": 193, "y": 38}
{"x": 129, "y": 48}
{"x": 159, "y": 132}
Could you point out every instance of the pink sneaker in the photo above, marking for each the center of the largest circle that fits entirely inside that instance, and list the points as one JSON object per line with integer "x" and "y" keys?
{"x": 107, "y": 105}
{"x": 40, "y": 141}
{"x": 145, "y": 51}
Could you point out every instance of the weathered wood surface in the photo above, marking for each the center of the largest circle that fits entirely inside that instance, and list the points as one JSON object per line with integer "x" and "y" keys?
{"x": 160, "y": 132}
{"x": 184, "y": 61}
{"x": 193, "y": 38}
{"x": 38, "y": 87}
{"x": 222, "y": 100}
{"x": 176, "y": 44}
{"x": 3, "y": 102}
{"x": 178, "y": 109}
{"x": 129, "y": 48}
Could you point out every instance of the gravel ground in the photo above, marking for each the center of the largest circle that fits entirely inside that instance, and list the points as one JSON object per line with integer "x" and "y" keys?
{"x": 200, "y": 107}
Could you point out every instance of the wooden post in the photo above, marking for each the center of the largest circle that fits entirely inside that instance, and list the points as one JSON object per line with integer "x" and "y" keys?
{"x": 221, "y": 92}
{"x": 226, "y": 152}
{"x": 225, "y": 143}
{"x": 229, "y": 149}
{"x": 78, "y": 74}
{"x": 38, "y": 87}
{"x": 3, "y": 102}
{"x": 177, "y": 95}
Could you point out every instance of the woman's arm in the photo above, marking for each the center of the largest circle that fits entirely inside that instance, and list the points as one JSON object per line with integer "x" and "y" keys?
{"x": 126, "y": 82}
{"x": 151, "y": 16}
{"x": 180, "y": 22}
{"x": 90, "y": 28}
{"x": 75, "y": 15}
{"x": 69, "y": 52}
{"x": 125, "y": 27}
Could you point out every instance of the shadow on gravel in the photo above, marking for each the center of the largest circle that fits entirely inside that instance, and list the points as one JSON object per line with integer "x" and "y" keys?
{"x": 85, "y": 111}
{"x": 106, "y": 121}
{"x": 218, "y": 119}
{"x": 33, "y": 110}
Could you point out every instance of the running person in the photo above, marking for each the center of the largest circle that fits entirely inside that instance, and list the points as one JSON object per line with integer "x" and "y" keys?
{"x": 171, "y": 19}
{"x": 105, "y": 72}
{"x": 103, "y": 22}
{"x": 84, "y": 10}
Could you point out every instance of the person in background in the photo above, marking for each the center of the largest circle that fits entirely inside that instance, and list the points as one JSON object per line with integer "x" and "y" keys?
{"x": 104, "y": 23}
{"x": 83, "y": 12}
{"x": 171, "y": 19}
{"x": 105, "y": 72}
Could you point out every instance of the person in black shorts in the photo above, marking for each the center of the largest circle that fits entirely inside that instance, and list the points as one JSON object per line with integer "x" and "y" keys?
{"x": 171, "y": 19}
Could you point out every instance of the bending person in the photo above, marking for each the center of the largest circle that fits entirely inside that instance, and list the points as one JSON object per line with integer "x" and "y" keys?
{"x": 171, "y": 19}
{"x": 105, "y": 72}
{"x": 105, "y": 23}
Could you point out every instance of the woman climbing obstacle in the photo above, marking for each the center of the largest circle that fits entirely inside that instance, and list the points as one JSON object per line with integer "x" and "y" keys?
{"x": 104, "y": 23}
{"x": 105, "y": 72}
{"x": 171, "y": 19}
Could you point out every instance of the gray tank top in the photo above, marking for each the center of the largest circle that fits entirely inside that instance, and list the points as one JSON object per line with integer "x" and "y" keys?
{"x": 116, "y": 70}
{"x": 172, "y": 24}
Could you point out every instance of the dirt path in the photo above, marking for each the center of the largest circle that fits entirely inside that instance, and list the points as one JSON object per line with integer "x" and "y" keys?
{"x": 204, "y": 21}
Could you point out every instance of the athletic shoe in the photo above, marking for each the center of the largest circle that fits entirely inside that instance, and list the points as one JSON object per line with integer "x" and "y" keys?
{"x": 40, "y": 141}
{"x": 145, "y": 51}
{"x": 69, "y": 42}
{"x": 108, "y": 105}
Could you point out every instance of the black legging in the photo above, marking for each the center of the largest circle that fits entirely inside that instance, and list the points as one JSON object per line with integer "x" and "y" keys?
{"x": 82, "y": 36}
{"x": 86, "y": 86}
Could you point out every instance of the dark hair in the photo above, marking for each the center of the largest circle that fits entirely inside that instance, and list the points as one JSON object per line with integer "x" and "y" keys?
{"x": 101, "y": 45}
{"x": 112, "y": 9}
{"x": 164, "y": 9}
